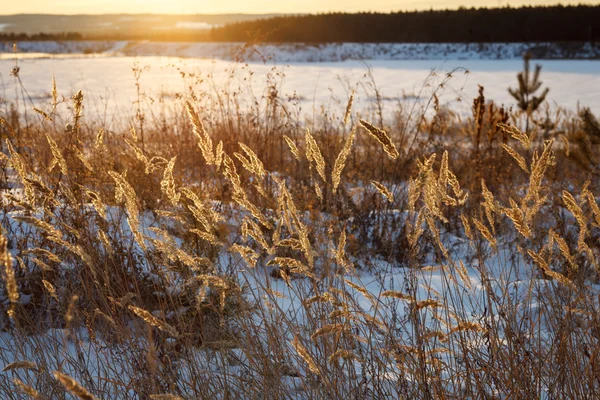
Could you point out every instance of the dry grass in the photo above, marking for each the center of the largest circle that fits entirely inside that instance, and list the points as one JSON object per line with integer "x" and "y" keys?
{"x": 142, "y": 270}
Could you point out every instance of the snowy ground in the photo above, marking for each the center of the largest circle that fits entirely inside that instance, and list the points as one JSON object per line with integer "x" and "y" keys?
{"x": 299, "y": 52}
{"x": 109, "y": 81}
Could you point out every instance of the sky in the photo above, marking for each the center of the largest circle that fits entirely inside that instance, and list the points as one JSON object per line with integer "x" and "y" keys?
{"x": 246, "y": 6}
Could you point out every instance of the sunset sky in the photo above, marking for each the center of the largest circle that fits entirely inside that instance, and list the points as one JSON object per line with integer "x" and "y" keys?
{"x": 245, "y": 6}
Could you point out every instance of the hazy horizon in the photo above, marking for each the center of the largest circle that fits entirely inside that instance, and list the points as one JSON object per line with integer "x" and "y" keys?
{"x": 257, "y": 7}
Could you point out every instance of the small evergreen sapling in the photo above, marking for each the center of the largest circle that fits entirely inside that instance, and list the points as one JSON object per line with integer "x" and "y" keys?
{"x": 525, "y": 96}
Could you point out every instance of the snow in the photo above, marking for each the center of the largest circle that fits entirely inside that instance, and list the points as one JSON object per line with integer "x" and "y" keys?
{"x": 109, "y": 80}
{"x": 515, "y": 281}
{"x": 299, "y": 52}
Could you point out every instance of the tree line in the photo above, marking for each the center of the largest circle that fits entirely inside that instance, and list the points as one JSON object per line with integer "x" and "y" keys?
{"x": 475, "y": 25}
{"x": 20, "y": 37}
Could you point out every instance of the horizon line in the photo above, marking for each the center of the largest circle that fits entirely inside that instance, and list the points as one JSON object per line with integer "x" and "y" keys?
{"x": 558, "y": 4}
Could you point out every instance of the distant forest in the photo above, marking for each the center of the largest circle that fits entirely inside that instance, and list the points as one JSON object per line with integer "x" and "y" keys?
{"x": 475, "y": 25}
{"x": 526, "y": 24}
{"x": 17, "y": 37}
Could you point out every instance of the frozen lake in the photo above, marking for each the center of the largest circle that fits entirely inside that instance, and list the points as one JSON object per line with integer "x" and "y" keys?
{"x": 109, "y": 84}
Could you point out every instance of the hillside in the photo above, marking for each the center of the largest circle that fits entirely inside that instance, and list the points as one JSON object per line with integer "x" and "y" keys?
{"x": 111, "y": 25}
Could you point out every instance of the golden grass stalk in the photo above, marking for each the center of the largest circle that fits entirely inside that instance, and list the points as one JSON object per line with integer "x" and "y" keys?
{"x": 289, "y": 212}
{"x": 566, "y": 144}
{"x": 73, "y": 386}
{"x": 384, "y": 191}
{"x": 361, "y": 290}
{"x": 383, "y": 138}
{"x": 57, "y": 157}
{"x": 444, "y": 174}
{"x": 286, "y": 262}
{"x": 467, "y": 227}
{"x": 165, "y": 397}
{"x": 485, "y": 232}
{"x": 139, "y": 154}
{"x": 4, "y": 123}
{"x": 539, "y": 165}
{"x": 467, "y": 326}
{"x": 313, "y": 153}
{"x": 327, "y": 330}
{"x": 340, "y": 252}
{"x": 43, "y": 252}
{"x": 252, "y": 229}
{"x": 204, "y": 140}
{"x": 77, "y": 105}
{"x": 19, "y": 165}
{"x": 28, "y": 390}
{"x": 340, "y": 161}
{"x": 303, "y": 352}
{"x": 11, "y": 280}
{"x": 276, "y": 294}
{"x": 207, "y": 236}
{"x": 81, "y": 157}
{"x": 239, "y": 194}
{"x": 517, "y": 157}
{"x": 214, "y": 281}
{"x": 564, "y": 249}
{"x": 396, "y": 295}
{"x": 133, "y": 133}
{"x": 54, "y": 94}
{"x": 461, "y": 195}
{"x": 70, "y": 314}
{"x": 219, "y": 154}
{"x": 51, "y": 290}
{"x": 516, "y": 215}
{"x": 203, "y": 214}
{"x": 103, "y": 237}
{"x": 543, "y": 264}
{"x": 414, "y": 193}
{"x": 167, "y": 184}
{"x": 594, "y": 207}
{"x": 318, "y": 191}
{"x": 290, "y": 242}
{"x": 107, "y": 318}
{"x": 349, "y": 107}
{"x": 153, "y": 321}
{"x": 20, "y": 365}
{"x": 490, "y": 204}
{"x": 573, "y": 207}
{"x": 515, "y": 133}
{"x": 435, "y": 335}
{"x": 464, "y": 274}
{"x": 231, "y": 173}
{"x": 43, "y": 114}
{"x": 577, "y": 212}
{"x": 429, "y": 303}
{"x": 371, "y": 320}
{"x": 292, "y": 146}
{"x": 341, "y": 353}
{"x": 97, "y": 202}
{"x": 254, "y": 165}
{"x": 124, "y": 192}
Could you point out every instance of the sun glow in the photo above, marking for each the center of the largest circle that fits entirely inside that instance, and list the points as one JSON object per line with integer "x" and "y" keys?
{"x": 246, "y": 6}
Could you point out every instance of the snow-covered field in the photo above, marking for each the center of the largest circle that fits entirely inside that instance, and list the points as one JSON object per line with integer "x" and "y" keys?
{"x": 109, "y": 80}
{"x": 109, "y": 86}
{"x": 299, "y": 52}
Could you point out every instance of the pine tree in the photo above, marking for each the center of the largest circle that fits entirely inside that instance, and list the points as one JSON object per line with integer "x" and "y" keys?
{"x": 528, "y": 85}
{"x": 525, "y": 96}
